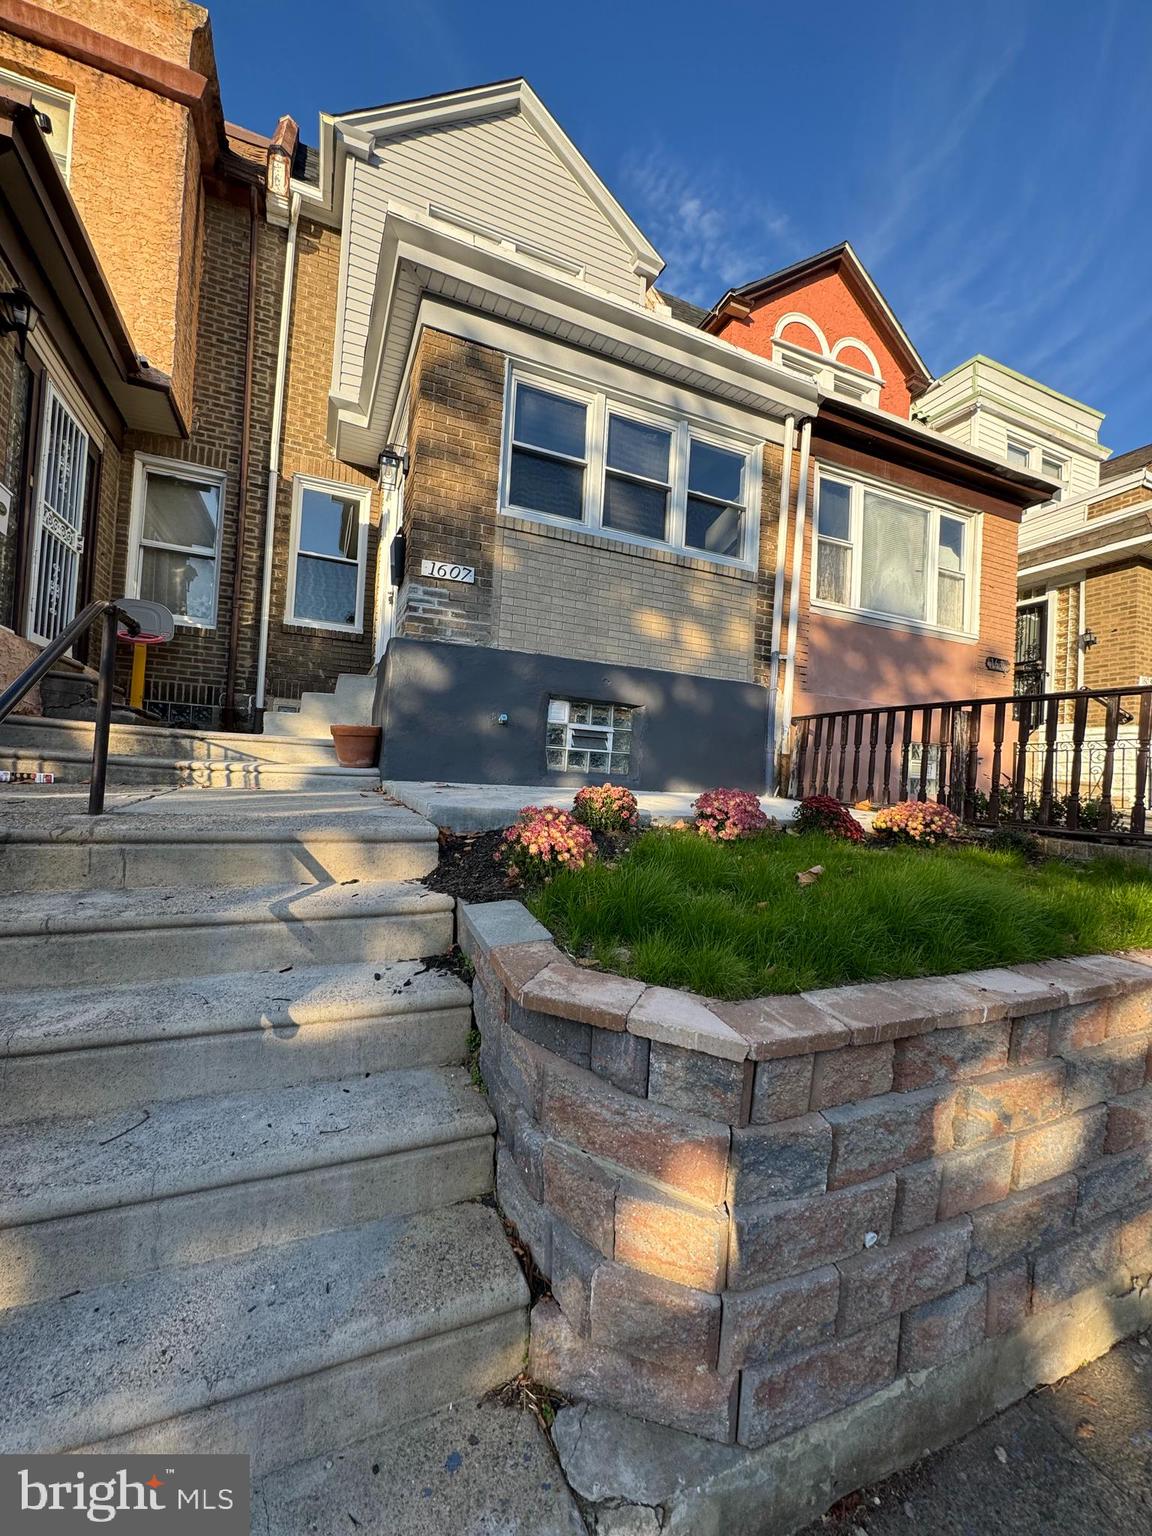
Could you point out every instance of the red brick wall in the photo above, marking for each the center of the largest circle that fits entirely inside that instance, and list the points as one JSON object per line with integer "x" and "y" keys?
{"x": 837, "y": 310}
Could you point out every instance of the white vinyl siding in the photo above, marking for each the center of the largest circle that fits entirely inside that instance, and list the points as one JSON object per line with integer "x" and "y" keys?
{"x": 496, "y": 171}
{"x": 58, "y": 107}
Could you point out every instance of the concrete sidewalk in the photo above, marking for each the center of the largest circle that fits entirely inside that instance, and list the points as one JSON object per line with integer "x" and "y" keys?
{"x": 1074, "y": 1459}
{"x": 488, "y": 807}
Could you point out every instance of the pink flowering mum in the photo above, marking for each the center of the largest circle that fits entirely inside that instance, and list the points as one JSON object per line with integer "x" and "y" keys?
{"x": 723, "y": 815}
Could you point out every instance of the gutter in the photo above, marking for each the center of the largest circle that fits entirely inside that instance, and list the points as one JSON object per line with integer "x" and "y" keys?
{"x": 778, "y": 595}
{"x": 242, "y": 479}
{"x": 785, "y": 724}
{"x": 274, "y": 448}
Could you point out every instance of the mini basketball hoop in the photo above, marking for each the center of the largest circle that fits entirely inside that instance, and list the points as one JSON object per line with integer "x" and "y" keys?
{"x": 157, "y": 626}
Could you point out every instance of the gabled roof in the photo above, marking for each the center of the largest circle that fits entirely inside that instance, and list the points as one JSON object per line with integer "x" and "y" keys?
{"x": 503, "y": 96}
{"x": 837, "y": 258}
{"x": 1127, "y": 463}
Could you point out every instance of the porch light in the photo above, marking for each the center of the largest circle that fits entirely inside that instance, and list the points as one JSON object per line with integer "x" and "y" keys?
{"x": 18, "y": 313}
{"x": 393, "y": 466}
{"x": 1087, "y": 640}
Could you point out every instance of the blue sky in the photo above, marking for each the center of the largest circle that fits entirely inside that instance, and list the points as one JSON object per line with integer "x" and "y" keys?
{"x": 991, "y": 164}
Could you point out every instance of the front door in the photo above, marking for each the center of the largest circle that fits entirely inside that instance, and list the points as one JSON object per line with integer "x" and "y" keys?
{"x": 1031, "y": 671}
{"x": 59, "y": 498}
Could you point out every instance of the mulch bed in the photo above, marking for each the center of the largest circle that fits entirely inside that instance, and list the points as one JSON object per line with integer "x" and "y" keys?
{"x": 468, "y": 870}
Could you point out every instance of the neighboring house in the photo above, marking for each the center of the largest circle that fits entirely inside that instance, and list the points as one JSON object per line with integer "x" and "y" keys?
{"x": 1084, "y": 609}
{"x": 910, "y": 595}
{"x": 430, "y": 411}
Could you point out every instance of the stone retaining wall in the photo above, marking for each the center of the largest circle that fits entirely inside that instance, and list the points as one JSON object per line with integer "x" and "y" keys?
{"x": 753, "y": 1215}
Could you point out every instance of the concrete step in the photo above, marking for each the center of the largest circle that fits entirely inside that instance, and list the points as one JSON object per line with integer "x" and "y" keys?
{"x": 472, "y": 1469}
{"x": 111, "y": 936}
{"x": 34, "y": 734}
{"x": 76, "y": 768}
{"x": 349, "y": 704}
{"x": 178, "y": 840}
{"x": 88, "y": 1200}
{"x": 279, "y": 1353}
{"x": 96, "y": 1051}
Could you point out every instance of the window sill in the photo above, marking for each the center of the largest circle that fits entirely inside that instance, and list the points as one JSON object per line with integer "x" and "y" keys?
{"x": 311, "y": 627}
{"x": 573, "y": 532}
{"x": 887, "y": 621}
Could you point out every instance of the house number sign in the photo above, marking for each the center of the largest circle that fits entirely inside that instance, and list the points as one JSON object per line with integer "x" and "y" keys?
{"x": 447, "y": 570}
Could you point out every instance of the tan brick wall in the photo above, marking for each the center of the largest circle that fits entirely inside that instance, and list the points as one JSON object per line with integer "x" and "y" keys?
{"x": 1117, "y": 503}
{"x": 298, "y": 656}
{"x": 1118, "y": 609}
{"x": 549, "y": 590}
{"x": 453, "y": 486}
{"x": 135, "y": 174}
{"x": 199, "y": 657}
{"x": 574, "y": 594}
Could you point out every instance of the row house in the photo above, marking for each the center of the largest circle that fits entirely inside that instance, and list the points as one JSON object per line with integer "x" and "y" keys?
{"x": 411, "y": 402}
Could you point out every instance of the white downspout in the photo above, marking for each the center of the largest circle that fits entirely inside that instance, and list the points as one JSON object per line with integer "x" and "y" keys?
{"x": 778, "y": 594}
{"x": 794, "y": 593}
{"x": 274, "y": 447}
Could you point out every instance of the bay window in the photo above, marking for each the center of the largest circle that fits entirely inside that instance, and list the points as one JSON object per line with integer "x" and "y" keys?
{"x": 883, "y": 553}
{"x": 631, "y": 471}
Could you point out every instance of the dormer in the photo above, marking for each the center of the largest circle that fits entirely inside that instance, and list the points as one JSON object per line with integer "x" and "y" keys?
{"x": 825, "y": 318}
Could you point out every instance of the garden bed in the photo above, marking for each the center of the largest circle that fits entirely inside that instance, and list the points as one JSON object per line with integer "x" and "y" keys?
{"x": 730, "y": 920}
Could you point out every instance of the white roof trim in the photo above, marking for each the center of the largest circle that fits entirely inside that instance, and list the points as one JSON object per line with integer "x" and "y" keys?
{"x": 553, "y": 304}
{"x": 377, "y": 123}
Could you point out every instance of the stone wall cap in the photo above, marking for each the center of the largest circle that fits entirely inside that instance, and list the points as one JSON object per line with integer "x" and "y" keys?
{"x": 782, "y": 1026}
{"x": 680, "y": 1018}
{"x": 584, "y": 996}
{"x": 517, "y": 964}
{"x": 891, "y": 1010}
{"x": 1015, "y": 994}
{"x": 489, "y": 925}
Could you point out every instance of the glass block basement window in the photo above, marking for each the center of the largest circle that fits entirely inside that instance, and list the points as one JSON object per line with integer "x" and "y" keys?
{"x": 589, "y": 738}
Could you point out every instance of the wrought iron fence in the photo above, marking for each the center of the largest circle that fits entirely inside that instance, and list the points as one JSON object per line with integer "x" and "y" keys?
{"x": 1073, "y": 763}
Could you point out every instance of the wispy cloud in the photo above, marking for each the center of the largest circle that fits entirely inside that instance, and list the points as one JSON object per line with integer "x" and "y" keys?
{"x": 713, "y": 231}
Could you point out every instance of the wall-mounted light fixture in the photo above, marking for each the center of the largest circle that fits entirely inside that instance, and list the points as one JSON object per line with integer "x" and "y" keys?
{"x": 1087, "y": 640}
{"x": 393, "y": 466}
{"x": 18, "y": 314}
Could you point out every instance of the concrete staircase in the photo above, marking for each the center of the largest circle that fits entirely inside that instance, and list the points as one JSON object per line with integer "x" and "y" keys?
{"x": 150, "y": 755}
{"x": 349, "y": 704}
{"x": 241, "y": 1153}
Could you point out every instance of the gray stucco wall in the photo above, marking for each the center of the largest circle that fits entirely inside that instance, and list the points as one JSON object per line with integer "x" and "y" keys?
{"x": 439, "y": 705}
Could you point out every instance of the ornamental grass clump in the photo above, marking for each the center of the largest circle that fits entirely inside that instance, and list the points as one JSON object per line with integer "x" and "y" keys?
{"x": 723, "y": 815}
{"x": 543, "y": 841}
{"x": 824, "y": 813}
{"x": 913, "y": 821}
{"x": 606, "y": 808}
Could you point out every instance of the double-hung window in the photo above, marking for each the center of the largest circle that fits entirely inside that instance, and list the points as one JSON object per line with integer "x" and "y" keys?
{"x": 549, "y": 453}
{"x": 630, "y": 471}
{"x": 177, "y": 515}
{"x": 1053, "y": 468}
{"x": 326, "y": 564}
{"x": 884, "y": 554}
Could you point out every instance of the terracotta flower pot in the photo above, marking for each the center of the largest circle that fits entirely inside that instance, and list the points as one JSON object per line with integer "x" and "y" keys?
{"x": 357, "y": 746}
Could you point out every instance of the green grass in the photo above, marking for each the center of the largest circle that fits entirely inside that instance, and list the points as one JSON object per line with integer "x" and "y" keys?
{"x": 729, "y": 920}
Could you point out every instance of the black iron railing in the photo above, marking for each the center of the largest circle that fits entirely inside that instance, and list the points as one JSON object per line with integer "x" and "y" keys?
{"x": 1074, "y": 763}
{"x": 112, "y": 616}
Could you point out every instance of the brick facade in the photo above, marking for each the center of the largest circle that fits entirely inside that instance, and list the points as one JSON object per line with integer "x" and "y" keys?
{"x": 763, "y": 1213}
{"x": 452, "y": 489}
{"x": 1118, "y": 609}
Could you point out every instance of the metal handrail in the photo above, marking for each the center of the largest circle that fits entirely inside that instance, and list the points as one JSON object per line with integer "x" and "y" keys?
{"x": 112, "y": 615}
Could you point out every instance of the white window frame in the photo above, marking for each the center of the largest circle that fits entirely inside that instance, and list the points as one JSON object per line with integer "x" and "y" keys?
{"x": 685, "y": 429}
{"x": 358, "y": 493}
{"x": 854, "y": 609}
{"x": 1018, "y": 445}
{"x": 1061, "y": 478}
{"x": 63, "y": 99}
{"x": 146, "y": 464}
